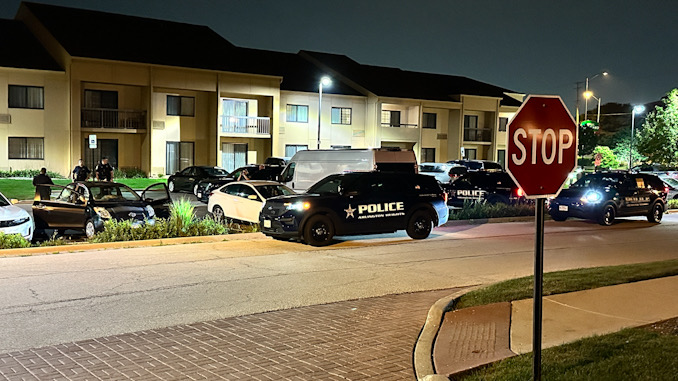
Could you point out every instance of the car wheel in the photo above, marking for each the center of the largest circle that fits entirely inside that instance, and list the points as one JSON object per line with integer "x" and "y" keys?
{"x": 319, "y": 230}
{"x": 656, "y": 213}
{"x": 218, "y": 213}
{"x": 90, "y": 229}
{"x": 171, "y": 187}
{"x": 420, "y": 225}
{"x": 606, "y": 217}
{"x": 558, "y": 216}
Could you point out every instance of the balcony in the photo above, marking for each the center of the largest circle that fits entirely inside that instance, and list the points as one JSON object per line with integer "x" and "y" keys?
{"x": 477, "y": 134}
{"x": 246, "y": 125}
{"x": 113, "y": 118}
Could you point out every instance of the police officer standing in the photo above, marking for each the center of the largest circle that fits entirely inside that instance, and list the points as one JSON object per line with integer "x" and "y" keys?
{"x": 40, "y": 181}
{"x": 104, "y": 171}
{"x": 80, "y": 172}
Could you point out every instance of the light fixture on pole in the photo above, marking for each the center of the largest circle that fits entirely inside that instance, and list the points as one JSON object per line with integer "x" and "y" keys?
{"x": 586, "y": 103}
{"x": 324, "y": 81}
{"x": 636, "y": 110}
{"x": 589, "y": 94}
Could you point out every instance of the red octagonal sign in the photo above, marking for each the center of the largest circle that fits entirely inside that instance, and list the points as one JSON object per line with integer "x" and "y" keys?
{"x": 542, "y": 145}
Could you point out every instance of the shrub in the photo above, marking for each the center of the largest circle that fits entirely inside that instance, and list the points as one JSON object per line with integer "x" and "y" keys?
{"x": 673, "y": 204}
{"x": 129, "y": 173}
{"x": 182, "y": 212}
{"x": 479, "y": 210}
{"x": 13, "y": 241}
{"x": 28, "y": 173}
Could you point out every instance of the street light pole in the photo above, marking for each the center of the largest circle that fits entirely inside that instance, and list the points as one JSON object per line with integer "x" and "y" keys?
{"x": 586, "y": 102}
{"x": 324, "y": 81}
{"x": 636, "y": 110}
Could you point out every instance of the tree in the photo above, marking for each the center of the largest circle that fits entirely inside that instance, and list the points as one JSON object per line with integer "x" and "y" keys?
{"x": 621, "y": 149}
{"x": 609, "y": 160}
{"x": 658, "y": 137}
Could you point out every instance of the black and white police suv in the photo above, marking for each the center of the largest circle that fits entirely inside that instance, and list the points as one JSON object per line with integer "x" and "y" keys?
{"x": 603, "y": 196}
{"x": 491, "y": 187}
{"x": 357, "y": 203}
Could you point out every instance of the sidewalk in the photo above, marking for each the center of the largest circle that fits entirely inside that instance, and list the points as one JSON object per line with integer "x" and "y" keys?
{"x": 471, "y": 337}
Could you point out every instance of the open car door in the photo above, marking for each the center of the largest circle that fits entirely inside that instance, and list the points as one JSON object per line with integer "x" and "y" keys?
{"x": 158, "y": 197}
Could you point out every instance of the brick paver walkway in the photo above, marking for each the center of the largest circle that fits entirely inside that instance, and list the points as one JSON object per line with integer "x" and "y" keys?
{"x": 366, "y": 339}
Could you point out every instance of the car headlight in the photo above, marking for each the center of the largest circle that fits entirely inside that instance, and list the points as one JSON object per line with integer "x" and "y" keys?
{"x": 151, "y": 211}
{"x": 15, "y": 222}
{"x": 298, "y": 206}
{"x": 591, "y": 197}
{"x": 102, "y": 212}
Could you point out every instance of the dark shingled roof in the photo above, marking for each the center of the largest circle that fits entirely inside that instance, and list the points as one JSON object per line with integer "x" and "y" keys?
{"x": 397, "y": 83}
{"x": 20, "y": 49}
{"x": 93, "y": 34}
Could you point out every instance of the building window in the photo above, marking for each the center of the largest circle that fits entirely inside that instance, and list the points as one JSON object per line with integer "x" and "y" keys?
{"x": 297, "y": 113}
{"x": 291, "y": 149}
{"x": 341, "y": 115}
{"x": 26, "y": 148}
{"x": 502, "y": 124}
{"x": 470, "y": 121}
{"x": 101, "y": 99}
{"x": 501, "y": 158}
{"x": 340, "y": 147}
{"x": 470, "y": 153}
{"x": 428, "y": 155}
{"x": 429, "y": 120}
{"x": 179, "y": 155}
{"x": 390, "y": 118}
{"x": 180, "y": 106}
{"x": 26, "y": 97}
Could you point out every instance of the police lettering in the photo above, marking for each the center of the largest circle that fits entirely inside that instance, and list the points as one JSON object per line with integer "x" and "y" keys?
{"x": 381, "y": 208}
{"x": 468, "y": 193}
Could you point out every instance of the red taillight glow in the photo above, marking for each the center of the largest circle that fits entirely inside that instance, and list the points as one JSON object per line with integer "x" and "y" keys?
{"x": 666, "y": 189}
{"x": 520, "y": 192}
{"x": 445, "y": 196}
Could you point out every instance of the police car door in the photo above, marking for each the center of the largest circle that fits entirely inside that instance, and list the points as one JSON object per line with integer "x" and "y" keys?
{"x": 633, "y": 193}
{"x": 379, "y": 205}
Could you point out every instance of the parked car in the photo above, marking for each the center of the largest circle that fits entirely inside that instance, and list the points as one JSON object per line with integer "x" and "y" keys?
{"x": 277, "y": 161}
{"x": 87, "y": 205}
{"x": 478, "y": 165}
{"x": 672, "y": 185}
{"x": 243, "y": 200}
{"x": 357, "y": 203}
{"x": 14, "y": 220}
{"x": 604, "y": 196}
{"x": 491, "y": 187}
{"x": 188, "y": 178}
{"x": 254, "y": 172}
{"x": 656, "y": 169}
{"x": 441, "y": 171}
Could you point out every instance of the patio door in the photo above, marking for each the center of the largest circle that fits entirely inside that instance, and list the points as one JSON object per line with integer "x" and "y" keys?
{"x": 105, "y": 148}
{"x": 233, "y": 156}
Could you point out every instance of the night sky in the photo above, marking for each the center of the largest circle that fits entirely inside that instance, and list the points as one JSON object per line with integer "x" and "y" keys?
{"x": 532, "y": 47}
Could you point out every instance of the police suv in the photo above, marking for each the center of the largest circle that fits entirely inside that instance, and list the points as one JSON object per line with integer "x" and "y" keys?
{"x": 357, "y": 203}
{"x": 485, "y": 186}
{"x": 603, "y": 196}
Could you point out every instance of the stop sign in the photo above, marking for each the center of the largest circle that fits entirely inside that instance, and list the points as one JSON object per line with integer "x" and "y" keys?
{"x": 542, "y": 145}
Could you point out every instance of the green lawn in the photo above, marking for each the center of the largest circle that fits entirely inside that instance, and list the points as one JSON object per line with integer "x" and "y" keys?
{"x": 24, "y": 189}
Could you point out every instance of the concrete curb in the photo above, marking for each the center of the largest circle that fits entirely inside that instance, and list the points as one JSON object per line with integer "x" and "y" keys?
{"x": 422, "y": 357}
{"x": 29, "y": 251}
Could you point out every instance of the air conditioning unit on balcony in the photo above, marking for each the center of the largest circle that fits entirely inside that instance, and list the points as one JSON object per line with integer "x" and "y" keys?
{"x": 5, "y": 119}
{"x": 158, "y": 124}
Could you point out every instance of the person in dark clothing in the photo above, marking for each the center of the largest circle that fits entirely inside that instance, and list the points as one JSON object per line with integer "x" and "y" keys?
{"x": 80, "y": 172}
{"x": 42, "y": 179}
{"x": 104, "y": 171}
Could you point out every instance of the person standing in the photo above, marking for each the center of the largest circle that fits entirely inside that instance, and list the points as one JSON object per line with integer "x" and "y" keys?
{"x": 80, "y": 172}
{"x": 40, "y": 181}
{"x": 104, "y": 171}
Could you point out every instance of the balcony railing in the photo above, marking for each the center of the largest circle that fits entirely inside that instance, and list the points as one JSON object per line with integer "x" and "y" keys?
{"x": 477, "y": 134}
{"x": 404, "y": 125}
{"x": 113, "y": 118}
{"x": 251, "y": 125}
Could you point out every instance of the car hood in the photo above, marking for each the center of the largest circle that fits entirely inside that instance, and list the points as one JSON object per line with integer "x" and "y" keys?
{"x": 122, "y": 210}
{"x": 12, "y": 212}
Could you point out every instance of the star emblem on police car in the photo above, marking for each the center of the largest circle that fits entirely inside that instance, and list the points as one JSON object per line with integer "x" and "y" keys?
{"x": 349, "y": 211}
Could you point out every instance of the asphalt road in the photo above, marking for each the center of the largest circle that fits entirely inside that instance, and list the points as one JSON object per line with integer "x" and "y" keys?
{"x": 52, "y": 299}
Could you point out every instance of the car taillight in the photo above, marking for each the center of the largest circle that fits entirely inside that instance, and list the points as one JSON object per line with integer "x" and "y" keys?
{"x": 666, "y": 189}
{"x": 520, "y": 192}
{"x": 445, "y": 196}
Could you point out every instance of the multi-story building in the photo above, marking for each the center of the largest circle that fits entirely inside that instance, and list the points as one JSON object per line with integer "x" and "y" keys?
{"x": 161, "y": 95}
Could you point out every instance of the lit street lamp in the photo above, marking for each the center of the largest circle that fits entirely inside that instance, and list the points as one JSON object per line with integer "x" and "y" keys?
{"x": 324, "y": 81}
{"x": 636, "y": 110}
{"x": 589, "y": 94}
{"x": 586, "y": 103}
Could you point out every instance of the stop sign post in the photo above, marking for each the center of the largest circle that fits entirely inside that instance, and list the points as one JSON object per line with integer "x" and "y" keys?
{"x": 542, "y": 152}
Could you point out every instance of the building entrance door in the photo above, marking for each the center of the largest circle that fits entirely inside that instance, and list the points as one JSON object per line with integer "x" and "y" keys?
{"x": 105, "y": 148}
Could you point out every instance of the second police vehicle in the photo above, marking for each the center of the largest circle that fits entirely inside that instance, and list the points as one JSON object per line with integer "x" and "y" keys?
{"x": 357, "y": 203}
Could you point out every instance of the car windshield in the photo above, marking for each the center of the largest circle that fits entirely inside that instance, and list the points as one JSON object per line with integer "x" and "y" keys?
{"x": 3, "y": 201}
{"x": 596, "y": 181}
{"x": 328, "y": 185}
{"x": 214, "y": 171}
{"x": 431, "y": 168}
{"x": 268, "y": 191}
{"x": 113, "y": 192}
{"x": 671, "y": 181}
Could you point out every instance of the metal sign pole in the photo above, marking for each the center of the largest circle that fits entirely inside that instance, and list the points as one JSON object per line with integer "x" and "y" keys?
{"x": 538, "y": 287}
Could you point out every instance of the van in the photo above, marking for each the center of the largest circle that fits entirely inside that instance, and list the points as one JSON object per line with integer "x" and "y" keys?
{"x": 308, "y": 167}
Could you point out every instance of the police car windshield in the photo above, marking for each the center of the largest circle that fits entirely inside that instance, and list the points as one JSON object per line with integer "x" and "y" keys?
{"x": 597, "y": 180}
{"x": 268, "y": 191}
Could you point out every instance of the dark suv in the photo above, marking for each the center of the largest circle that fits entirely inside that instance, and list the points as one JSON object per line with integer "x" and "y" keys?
{"x": 491, "y": 187}
{"x": 603, "y": 196}
{"x": 357, "y": 203}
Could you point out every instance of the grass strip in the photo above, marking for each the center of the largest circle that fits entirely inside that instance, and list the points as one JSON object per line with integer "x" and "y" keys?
{"x": 630, "y": 354}
{"x": 559, "y": 282}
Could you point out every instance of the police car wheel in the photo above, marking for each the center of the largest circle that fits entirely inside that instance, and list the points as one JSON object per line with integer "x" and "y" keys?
{"x": 420, "y": 225}
{"x": 607, "y": 216}
{"x": 170, "y": 186}
{"x": 319, "y": 230}
{"x": 656, "y": 213}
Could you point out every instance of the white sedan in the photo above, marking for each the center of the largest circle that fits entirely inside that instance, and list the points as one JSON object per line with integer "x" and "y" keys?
{"x": 14, "y": 220}
{"x": 243, "y": 200}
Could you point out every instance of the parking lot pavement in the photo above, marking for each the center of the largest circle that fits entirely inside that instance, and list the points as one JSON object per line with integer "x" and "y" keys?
{"x": 365, "y": 339}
